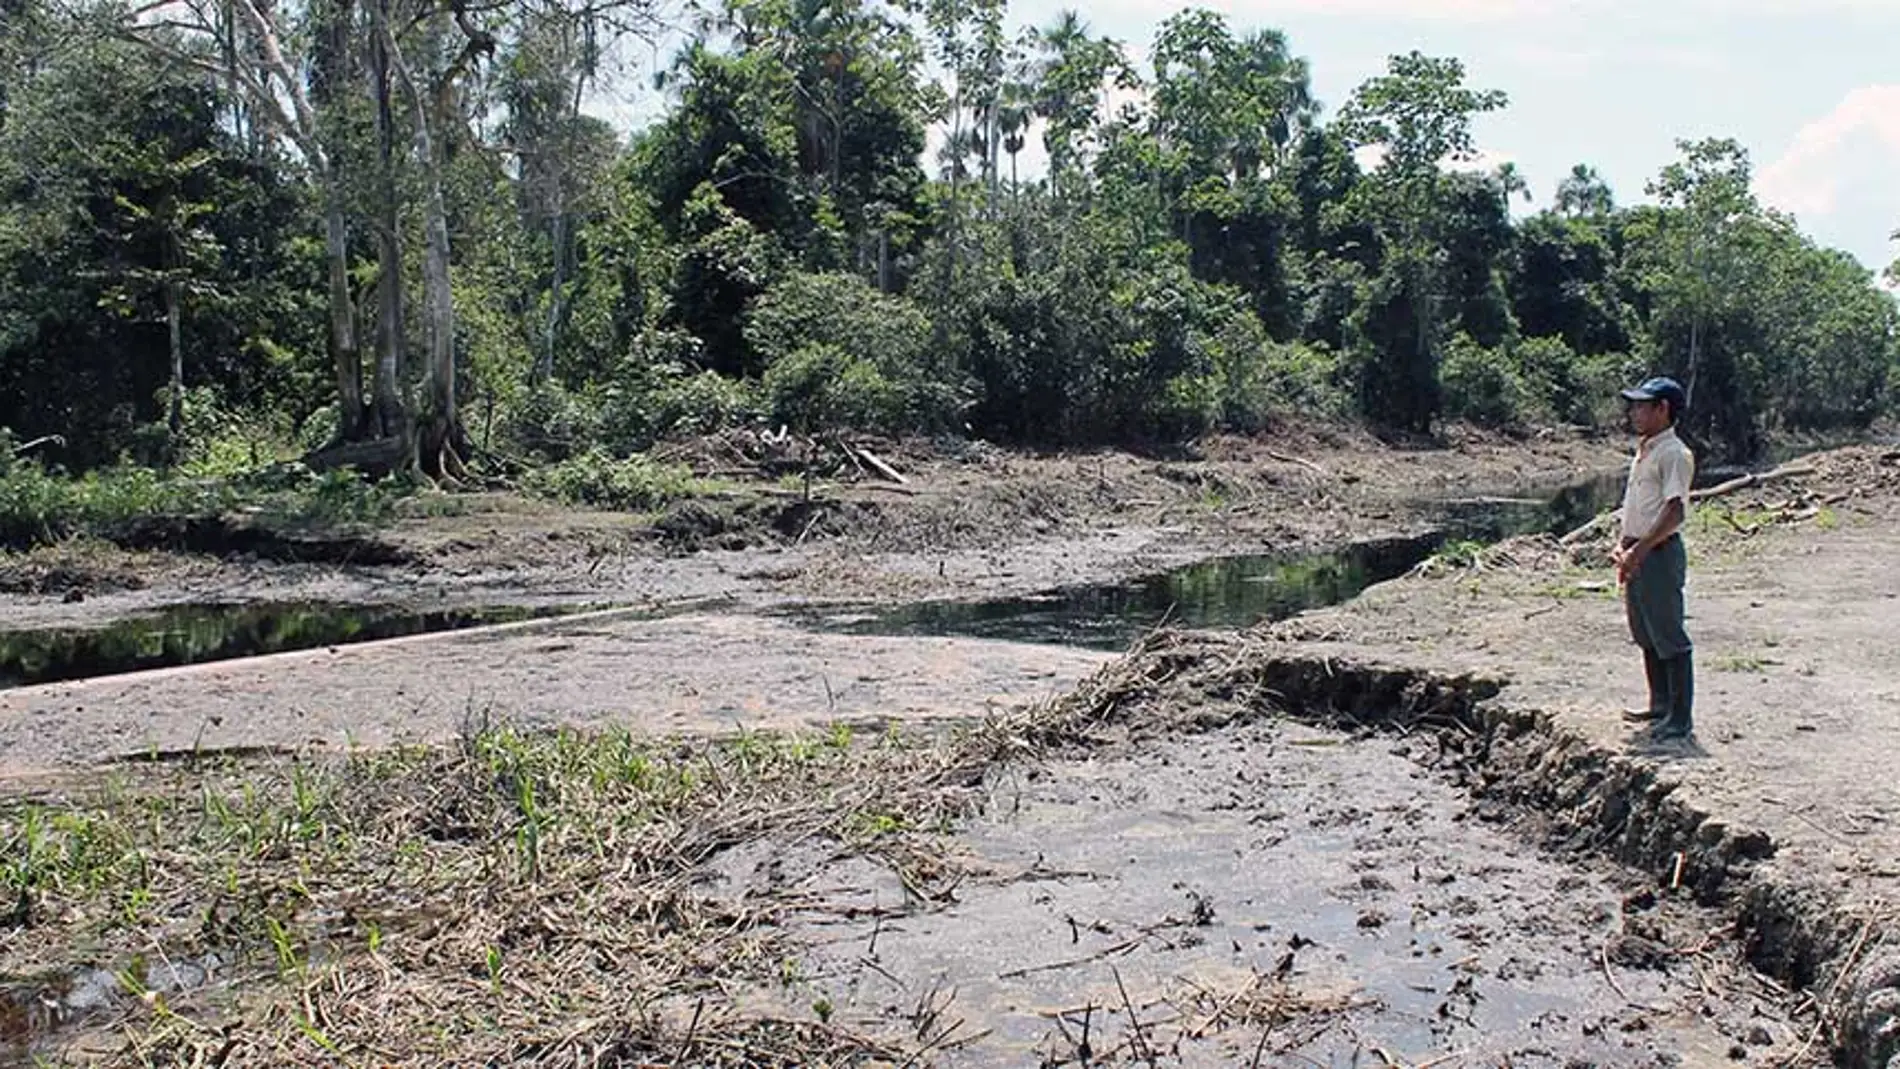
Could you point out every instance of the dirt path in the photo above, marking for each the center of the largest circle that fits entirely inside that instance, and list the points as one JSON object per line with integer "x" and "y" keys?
{"x": 692, "y": 674}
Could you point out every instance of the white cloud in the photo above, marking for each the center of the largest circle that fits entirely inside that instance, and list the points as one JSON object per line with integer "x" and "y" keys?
{"x": 1809, "y": 176}
{"x": 1481, "y": 161}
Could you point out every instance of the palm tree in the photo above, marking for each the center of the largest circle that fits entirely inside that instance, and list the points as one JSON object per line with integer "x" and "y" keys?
{"x": 1511, "y": 182}
{"x": 1063, "y": 45}
{"x": 1583, "y": 192}
{"x": 1279, "y": 100}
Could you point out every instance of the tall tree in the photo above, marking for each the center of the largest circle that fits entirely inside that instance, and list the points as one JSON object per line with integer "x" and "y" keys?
{"x": 246, "y": 44}
{"x": 1584, "y": 192}
{"x": 1419, "y": 113}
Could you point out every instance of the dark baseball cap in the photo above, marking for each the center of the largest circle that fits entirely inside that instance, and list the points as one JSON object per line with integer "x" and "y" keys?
{"x": 1660, "y": 388}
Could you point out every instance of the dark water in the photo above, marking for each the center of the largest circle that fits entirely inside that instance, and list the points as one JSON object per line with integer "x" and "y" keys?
{"x": 189, "y": 634}
{"x": 1223, "y": 592}
{"x": 1230, "y": 592}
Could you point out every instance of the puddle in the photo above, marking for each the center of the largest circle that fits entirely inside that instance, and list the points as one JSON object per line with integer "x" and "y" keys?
{"x": 1229, "y": 592}
{"x": 189, "y": 634}
{"x": 1334, "y": 896}
{"x": 1223, "y": 592}
{"x": 35, "y": 1010}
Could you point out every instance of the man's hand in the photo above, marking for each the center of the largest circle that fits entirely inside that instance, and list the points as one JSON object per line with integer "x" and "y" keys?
{"x": 1629, "y": 562}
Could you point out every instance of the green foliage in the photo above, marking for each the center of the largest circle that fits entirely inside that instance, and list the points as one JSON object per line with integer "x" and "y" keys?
{"x": 822, "y": 386}
{"x": 120, "y": 179}
{"x": 835, "y": 324}
{"x": 1483, "y": 385}
{"x": 38, "y": 507}
{"x": 1201, "y": 254}
{"x": 629, "y": 484}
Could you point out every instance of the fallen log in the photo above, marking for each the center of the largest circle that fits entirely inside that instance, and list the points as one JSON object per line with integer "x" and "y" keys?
{"x": 1740, "y": 482}
{"x": 44, "y": 439}
{"x": 1288, "y": 458}
{"x": 879, "y": 466}
{"x": 374, "y": 458}
{"x": 1743, "y": 482}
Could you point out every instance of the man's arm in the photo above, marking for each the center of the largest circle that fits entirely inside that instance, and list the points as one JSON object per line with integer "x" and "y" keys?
{"x": 1676, "y": 485}
{"x": 1667, "y": 524}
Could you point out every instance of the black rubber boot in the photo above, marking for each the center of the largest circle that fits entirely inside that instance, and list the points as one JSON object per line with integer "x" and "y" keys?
{"x": 1679, "y": 672}
{"x": 1658, "y": 692}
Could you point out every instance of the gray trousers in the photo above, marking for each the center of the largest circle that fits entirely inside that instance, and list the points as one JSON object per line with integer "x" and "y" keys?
{"x": 1653, "y": 600}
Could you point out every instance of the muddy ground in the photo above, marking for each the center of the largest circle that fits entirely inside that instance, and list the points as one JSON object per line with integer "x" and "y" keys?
{"x": 1770, "y": 844}
{"x": 1794, "y": 599}
{"x": 1264, "y": 894}
{"x": 970, "y": 520}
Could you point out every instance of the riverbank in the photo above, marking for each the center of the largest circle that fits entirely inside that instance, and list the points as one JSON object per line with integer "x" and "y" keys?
{"x": 968, "y": 521}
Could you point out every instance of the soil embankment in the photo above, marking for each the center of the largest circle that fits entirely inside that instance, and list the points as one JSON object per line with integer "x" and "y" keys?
{"x": 1784, "y": 812}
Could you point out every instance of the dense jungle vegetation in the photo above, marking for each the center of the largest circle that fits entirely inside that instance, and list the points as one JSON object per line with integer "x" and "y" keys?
{"x": 234, "y": 232}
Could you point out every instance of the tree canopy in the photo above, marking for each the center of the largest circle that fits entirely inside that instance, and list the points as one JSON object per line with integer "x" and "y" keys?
{"x": 392, "y": 221}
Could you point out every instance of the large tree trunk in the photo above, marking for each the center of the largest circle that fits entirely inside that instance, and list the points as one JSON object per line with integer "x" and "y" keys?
{"x": 441, "y": 435}
{"x": 439, "y": 438}
{"x": 344, "y": 355}
{"x": 559, "y": 240}
{"x": 390, "y": 411}
{"x": 174, "y": 299}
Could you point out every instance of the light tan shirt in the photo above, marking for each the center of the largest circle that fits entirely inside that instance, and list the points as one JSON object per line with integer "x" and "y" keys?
{"x": 1662, "y": 471}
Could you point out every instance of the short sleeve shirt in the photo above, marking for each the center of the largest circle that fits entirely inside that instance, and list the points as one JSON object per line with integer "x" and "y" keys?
{"x": 1662, "y": 471}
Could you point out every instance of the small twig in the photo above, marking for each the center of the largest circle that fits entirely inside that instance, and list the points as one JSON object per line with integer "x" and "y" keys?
{"x": 1146, "y": 1052}
{"x": 1261, "y": 1047}
{"x": 692, "y": 1029}
{"x": 1603, "y": 954}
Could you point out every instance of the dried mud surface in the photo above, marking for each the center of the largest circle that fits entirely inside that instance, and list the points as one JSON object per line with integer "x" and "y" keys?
{"x": 1266, "y": 893}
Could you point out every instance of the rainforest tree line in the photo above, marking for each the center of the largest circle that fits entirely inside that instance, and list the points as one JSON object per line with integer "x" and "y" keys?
{"x": 297, "y": 223}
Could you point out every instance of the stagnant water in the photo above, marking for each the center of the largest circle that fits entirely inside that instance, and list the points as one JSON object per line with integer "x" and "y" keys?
{"x": 1227, "y": 592}
{"x": 1224, "y": 592}
{"x": 188, "y": 634}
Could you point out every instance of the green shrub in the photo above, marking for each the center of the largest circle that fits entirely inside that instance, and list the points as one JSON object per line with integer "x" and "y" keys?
{"x": 1482, "y": 385}
{"x": 884, "y": 339}
{"x": 704, "y": 403}
{"x": 1305, "y": 379}
{"x": 38, "y": 507}
{"x": 633, "y": 484}
{"x": 554, "y": 422}
{"x": 822, "y": 386}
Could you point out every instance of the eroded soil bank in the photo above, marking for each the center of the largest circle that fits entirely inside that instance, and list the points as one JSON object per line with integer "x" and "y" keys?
{"x": 1783, "y": 812}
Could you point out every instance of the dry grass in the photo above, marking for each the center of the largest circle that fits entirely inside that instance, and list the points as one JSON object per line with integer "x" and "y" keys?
{"x": 520, "y": 898}
{"x": 516, "y": 899}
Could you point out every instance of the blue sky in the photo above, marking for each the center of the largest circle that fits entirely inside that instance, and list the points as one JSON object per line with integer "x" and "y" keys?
{"x": 1811, "y": 87}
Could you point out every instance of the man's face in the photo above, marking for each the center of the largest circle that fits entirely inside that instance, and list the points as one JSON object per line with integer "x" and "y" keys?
{"x": 1649, "y": 417}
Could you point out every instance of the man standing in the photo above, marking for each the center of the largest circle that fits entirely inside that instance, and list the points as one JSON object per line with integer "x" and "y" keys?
{"x": 1651, "y": 563}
